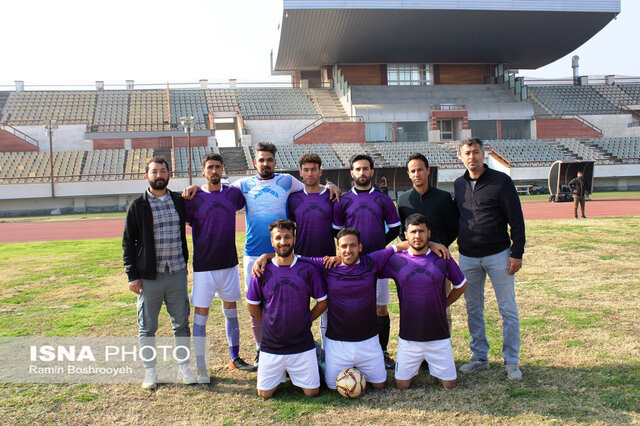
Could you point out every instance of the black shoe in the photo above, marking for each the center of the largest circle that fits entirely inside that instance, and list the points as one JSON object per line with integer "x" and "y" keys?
{"x": 389, "y": 363}
{"x": 256, "y": 360}
{"x": 238, "y": 364}
{"x": 584, "y": 217}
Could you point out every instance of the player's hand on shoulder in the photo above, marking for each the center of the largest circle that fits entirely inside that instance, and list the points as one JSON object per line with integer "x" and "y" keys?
{"x": 260, "y": 264}
{"x": 440, "y": 250}
{"x": 334, "y": 191}
{"x": 190, "y": 192}
{"x": 331, "y": 261}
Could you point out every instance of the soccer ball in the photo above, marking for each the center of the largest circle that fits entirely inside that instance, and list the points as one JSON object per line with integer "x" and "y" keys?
{"x": 351, "y": 383}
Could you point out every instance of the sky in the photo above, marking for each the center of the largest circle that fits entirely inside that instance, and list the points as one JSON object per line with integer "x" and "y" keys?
{"x": 70, "y": 42}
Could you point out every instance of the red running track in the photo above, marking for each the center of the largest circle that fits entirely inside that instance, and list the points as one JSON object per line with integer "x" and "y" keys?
{"x": 51, "y": 230}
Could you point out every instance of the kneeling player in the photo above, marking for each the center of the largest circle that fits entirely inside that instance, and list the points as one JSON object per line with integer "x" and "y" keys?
{"x": 351, "y": 339}
{"x": 424, "y": 334}
{"x": 280, "y": 299}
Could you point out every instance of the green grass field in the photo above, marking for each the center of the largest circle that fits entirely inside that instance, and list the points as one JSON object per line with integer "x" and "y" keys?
{"x": 578, "y": 295}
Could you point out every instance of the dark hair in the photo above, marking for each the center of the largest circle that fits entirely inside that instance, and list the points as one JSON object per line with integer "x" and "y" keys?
{"x": 286, "y": 224}
{"x": 267, "y": 146}
{"x": 310, "y": 157}
{"x": 212, "y": 156}
{"x": 158, "y": 159}
{"x": 348, "y": 231}
{"x": 417, "y": 156}
{"x": 415, "y": 219}
{"x": 469, "y": 142}
{"x": 358, "y": 157}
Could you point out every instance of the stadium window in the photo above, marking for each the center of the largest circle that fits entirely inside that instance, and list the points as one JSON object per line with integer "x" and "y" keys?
{"x": 378, "y": 132}
{"x": 446, "y": 129}
{"x": 409, "y": 74}
{"x": 413, "y": 131}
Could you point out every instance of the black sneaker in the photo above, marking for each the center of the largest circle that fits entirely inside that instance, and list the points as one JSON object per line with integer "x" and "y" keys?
{"x": 238, "y": 364}
{"x": 256, "y": 360}
{"x": 389, "y": 363}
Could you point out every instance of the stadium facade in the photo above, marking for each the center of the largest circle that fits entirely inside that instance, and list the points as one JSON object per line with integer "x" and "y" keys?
{"x": 385, "y": 78}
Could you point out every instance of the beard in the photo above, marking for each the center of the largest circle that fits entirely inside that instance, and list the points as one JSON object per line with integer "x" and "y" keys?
{"x": 267, "y": 174}
{"x": 363, "y": 181}
{"x": 159, "y": 184}
{"x": 419, "y": 248}
{"x": 214, "y": 180}
{"x": 284, "y": 251}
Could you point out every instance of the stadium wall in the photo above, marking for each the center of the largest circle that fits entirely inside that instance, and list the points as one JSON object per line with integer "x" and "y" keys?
{"x": 65, "y": 137}
{"x": 275, "y": 131}
{"x": 614, "y": 125}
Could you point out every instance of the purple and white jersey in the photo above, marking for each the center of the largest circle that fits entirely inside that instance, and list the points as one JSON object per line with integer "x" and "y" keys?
{"x": 212, "y": 216}
{"x": 313, "y": 214}
{"x": 368, "y": 212}
{"x": 284, "y": 293}
{"x": 351, "y": 294}
{"x": 420, "y": 281}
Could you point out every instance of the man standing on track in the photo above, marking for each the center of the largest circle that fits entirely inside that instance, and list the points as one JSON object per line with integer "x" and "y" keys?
{"x": 369, "y": 210}
{"x": 212, "y": 216}
{"x": 580, "y": 189}
{"x": 489, "y": 204}
{"x": 155, "y": 257}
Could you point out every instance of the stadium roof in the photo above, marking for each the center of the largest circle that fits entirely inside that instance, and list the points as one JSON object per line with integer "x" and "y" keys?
{"x": 523, "y": 34}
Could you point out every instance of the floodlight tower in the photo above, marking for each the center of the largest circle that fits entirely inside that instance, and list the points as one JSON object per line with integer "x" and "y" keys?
{"x": 49, "y": 127}
{"x": 187, "y": 124}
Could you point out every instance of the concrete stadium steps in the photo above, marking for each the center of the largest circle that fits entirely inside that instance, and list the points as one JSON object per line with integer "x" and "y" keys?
{"x": 234, "y": 159}
{"x": 326, "y": 102}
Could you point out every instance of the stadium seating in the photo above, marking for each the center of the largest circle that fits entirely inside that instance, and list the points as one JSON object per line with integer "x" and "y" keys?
{"x": 566, "y": 99}
{"x": 530, "y": 152}
{"x": 182, "y": 160}
{"x": 222, "y": 100}
{"x": 585, "y": 150}
{"x": 626, "y": 149}
{"x": 136, "y": 163}
{"x": 288, "y": 156}
{"x": 437, "y": 154}
{"x": 112, "y": 111}
{"x": 632, "y": 90}
{"x": 104, "y": 164}
{"x": 345, "y": 151}
{"x": 34, "y": 107}
{"x": 189, "y": 103}
{"x": 275, "y": 103}
{"x": 148, "y": 111}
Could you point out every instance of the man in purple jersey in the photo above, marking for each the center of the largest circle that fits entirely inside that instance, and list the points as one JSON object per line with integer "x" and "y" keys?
{"x": 351, "y": 339}
{"x": 280, "y": 300}
{"x": 312, "y": 210}
{"x": 369, "y": 210}
{"x": 424, "y": 333}
{"x": 212, "y": 216}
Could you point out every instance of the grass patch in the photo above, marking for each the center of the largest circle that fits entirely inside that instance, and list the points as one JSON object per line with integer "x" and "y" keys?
{"x": 578, "y": 297}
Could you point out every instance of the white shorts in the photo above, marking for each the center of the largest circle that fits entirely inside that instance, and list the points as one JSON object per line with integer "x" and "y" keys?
{"x": 437, "y": 353}
{"x": 302, "y": 368}
{"x": 247, "y": 264}
{"x": 365, "y": 355}
{"x": 383, "y": 297}
{"x": 224, "y": 283}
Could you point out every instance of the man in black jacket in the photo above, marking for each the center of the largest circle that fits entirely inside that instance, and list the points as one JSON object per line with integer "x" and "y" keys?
{"x": 155, "y": 259}
{"x": 488, "y": 205}
{"x": 433, "y": 203}
{"x": 580, "y": 189}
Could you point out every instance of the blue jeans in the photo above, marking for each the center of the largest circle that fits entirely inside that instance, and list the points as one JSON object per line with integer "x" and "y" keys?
{"x": 475, "y": 269}
{"x": 172, "y": 290}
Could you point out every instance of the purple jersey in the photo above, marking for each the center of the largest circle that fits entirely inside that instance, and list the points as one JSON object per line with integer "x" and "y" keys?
{"x": 351, "y": 298}
{"x": 421, "y": 291}
{"x": 212, "y": 216}
{"x": 368, "y": 212}
{"x": 284, "y": 292}
{"x": 313, "y": 214}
